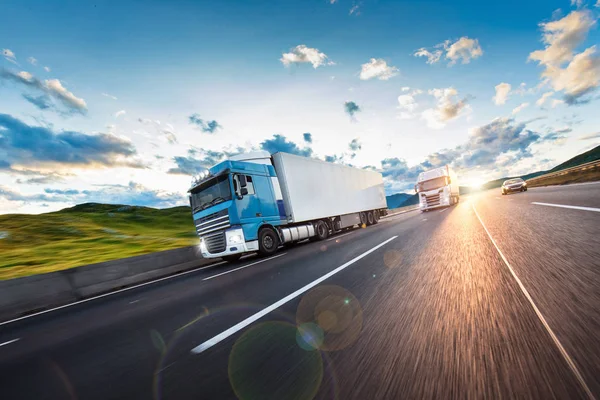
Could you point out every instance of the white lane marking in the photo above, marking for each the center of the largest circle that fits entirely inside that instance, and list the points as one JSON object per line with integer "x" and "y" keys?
{"x": 424, "y": 219}
{"x": 562, "y": 350}
{"x": 445, "y": 209}
{"x": 9, "y": 342}
{"x": 245, "y": 266}
{"x": 241, "y": 325}
{"x": 133, "y": 302}
{"x": 111, "y": 293}
{"x": 566, "y": 206}
{"x": 339, "y": 236}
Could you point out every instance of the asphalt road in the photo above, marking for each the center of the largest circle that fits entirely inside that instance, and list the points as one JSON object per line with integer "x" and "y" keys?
{"x": 424, "y": 305}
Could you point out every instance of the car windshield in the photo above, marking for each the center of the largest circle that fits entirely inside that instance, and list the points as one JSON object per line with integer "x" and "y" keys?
{"x": 212, "y": 192}
{"x": 513, "y": 181}
{"x": 431, "y": 184}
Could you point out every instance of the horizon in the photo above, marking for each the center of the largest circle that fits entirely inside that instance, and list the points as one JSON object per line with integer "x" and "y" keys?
{"x": 126, "y": 115}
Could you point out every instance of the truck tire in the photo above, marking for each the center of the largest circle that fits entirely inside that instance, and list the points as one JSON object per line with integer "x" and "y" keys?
{"x": 376, "y": 216}
{"x": 232, "y": 258}
{"x": 268, "y": 241}
{"x": 321, "y": 231}
{"x": 370, "y": 218}
{"x": 363, "y": 219}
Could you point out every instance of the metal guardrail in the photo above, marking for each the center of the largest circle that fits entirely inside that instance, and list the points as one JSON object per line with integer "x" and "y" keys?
{"x": 582, "y": 167}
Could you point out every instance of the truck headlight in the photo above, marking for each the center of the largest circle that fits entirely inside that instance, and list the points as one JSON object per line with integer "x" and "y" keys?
{"x": 235, "y": 236}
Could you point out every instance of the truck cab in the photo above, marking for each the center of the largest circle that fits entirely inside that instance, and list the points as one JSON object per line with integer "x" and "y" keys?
{"x": 437, "y": 188}
{"x": 231, "y": 200}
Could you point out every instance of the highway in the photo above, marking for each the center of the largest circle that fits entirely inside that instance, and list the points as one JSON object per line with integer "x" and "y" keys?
{"x": 497, "y": 297}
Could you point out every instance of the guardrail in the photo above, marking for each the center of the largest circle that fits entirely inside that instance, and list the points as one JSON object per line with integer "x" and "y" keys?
{"x": 582, "y": 167}
{"x": 21, "y": 296}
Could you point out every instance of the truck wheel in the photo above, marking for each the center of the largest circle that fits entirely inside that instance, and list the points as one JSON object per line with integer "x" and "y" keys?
{"x": 370, "y": 218}
{"x": 375, "y": 216}
{"x": 363, "y": 218}
{"x": 321, "y": 231}
{"x": 232, "y": 258}
{"x": 267, "y": 242}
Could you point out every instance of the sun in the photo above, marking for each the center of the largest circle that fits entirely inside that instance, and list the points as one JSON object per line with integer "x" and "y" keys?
{"x": 475, "y": 183}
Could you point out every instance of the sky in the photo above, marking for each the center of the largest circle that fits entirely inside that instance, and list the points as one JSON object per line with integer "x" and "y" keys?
{"x": 122, "y": 102}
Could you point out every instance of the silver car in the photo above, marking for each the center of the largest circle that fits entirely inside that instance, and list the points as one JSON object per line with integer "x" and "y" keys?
{"x": 514, "y": 185}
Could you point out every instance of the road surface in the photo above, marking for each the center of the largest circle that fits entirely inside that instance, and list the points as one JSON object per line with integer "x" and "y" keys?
{"x": 497, "y": 297}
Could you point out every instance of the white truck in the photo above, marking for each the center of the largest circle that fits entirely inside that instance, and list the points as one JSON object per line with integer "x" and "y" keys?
{"x": 255, "y": 202}
{"x": 437, "y": 188}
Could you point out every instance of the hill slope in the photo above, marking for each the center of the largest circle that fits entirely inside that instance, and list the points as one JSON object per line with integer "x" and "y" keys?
{"x": 396, "y": 200}
{"x": 88, "y": 233}
{"x": 588, "y": 156}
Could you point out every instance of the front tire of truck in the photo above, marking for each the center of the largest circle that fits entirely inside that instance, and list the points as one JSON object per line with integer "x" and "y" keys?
{"x": 268, "y": 241}
{"x": 232, "y": 258}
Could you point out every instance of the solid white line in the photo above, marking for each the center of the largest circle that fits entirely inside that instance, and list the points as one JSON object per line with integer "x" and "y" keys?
{"x": 445, "y": 209}
{"x": 9, "y": 342}
{"x": 111, "y": 293}
{"x": 245, "y": 266}
{"x": 339, "y": 236}
{"x": 241, "y": 325}
{"x": 566, "y": 206}
{"x": 562, "y": 350}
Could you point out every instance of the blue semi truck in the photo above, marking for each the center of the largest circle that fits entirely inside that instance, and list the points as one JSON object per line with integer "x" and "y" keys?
{"x": 256, "y": 202}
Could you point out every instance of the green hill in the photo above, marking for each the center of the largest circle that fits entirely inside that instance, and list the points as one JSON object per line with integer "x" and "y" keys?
{"x": 588, "y": 156}
{"x": 88, "y": 233}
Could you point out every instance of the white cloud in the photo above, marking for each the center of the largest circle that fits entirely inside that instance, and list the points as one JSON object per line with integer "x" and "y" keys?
{"x": 55, "y": 88}
{"x": 519, "y": 108}
{"x": 561, "y": 37}
{"x": 432, "y": 57}
{"x": 332, "y": 1}
{"x": 109, "y": 96}
{"x": 377, "y": 68}
{"x": 302, "y": 54}
{"x": 405, "y": 89}
{"x": 32, "y": 61}
{"x": 355, "y": 10}
{"x": 407, "y": 106}
{"x": 47, "y": 69}
{"x": 447, "y": 108}
{"x": 540, "y": 102}
{"x": 119, "y": 113}
{"x": 9, "y": 55}
{"x": 556, "y": 102}
{"x": 25, "y": 76}
{"x": 464, "y": 49}
{"x": 502, "y": 92}
{"x": 577, "y": 3}
{"x": 591, "y": 135}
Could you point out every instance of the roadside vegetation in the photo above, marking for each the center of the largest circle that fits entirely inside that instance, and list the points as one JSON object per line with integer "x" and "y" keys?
{"x": 86, "y": 234}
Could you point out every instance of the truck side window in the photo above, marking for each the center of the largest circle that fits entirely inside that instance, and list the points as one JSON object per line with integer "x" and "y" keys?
{"x": 250, "y": 185}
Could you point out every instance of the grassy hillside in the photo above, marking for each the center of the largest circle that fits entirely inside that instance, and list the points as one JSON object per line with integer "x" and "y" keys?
{"x": 88, "y": 233}
{"x": 588, "y": 156}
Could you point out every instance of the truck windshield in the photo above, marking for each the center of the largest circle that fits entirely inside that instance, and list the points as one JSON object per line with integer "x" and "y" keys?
{"x": 431, "y": 184}
{"x": 212, "y": 192}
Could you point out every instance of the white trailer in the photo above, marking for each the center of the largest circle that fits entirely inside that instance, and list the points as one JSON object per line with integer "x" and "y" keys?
{"x": 437, "y": 188}
{"x": 314, "y": 189}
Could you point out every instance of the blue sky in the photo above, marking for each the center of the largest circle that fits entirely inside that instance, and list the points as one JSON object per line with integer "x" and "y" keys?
{"x": 121, "y": 101}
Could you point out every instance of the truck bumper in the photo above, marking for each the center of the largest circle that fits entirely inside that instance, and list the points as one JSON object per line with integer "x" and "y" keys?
{"x": 235, "y": 244}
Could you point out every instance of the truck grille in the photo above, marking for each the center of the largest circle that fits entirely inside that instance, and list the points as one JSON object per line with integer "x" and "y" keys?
{"x": 433, "y": 200}
{"x": 212, "y": 223}
{"x": 215, "y": 242}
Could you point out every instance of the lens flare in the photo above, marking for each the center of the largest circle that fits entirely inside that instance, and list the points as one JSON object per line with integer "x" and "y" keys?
{"x": 293, "y": 371}
{"x": 392, "y": 258}
{"x": 335, "y": 311}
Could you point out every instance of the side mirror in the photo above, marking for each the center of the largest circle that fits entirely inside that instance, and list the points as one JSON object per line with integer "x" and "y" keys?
{"x": 244, "y": 191}
{"x": 416, "y": 190}
{"x": 449, "y": 180}
{"x": 243, "y": 183}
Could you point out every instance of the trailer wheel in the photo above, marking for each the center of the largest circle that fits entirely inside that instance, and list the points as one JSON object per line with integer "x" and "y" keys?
{"x": 321, "y": 231}
{"x": 376, "y": 216}
{"x": 267, "y": 241}
{"x": 363, "y": 219}
{"x": 370, "y": 218}
{"x": 232, "y": 258}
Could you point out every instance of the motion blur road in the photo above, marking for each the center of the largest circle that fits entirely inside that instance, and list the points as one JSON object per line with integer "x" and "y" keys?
{"x": 423, "y": 305}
